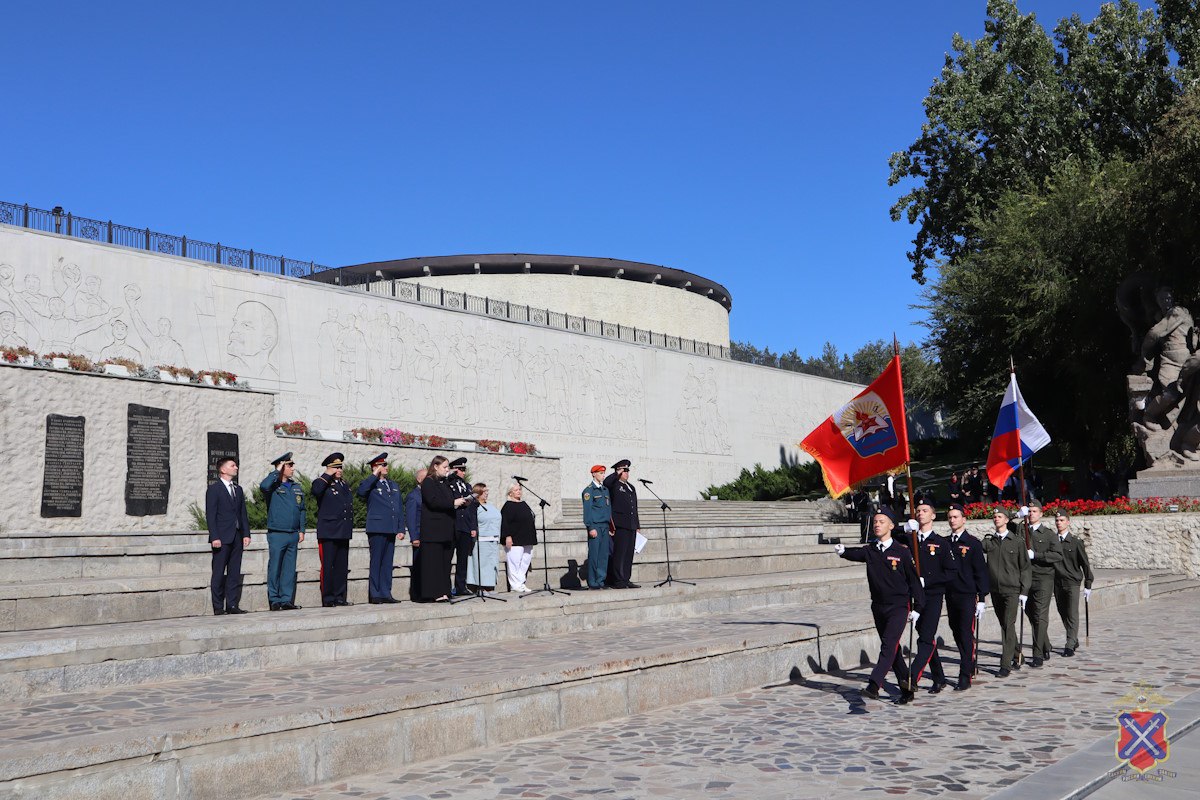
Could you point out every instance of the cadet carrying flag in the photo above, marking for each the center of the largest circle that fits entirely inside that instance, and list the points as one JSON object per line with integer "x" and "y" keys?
{"x": 1018, "y": 435}
{"x": 864, "y": 438}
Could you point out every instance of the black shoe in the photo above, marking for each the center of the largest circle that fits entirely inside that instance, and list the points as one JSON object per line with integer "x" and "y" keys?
{"x": 277, "y": 606}
{"x": 872, "y": 691}
{"x": 1037, "y": 662}
{"x": 1068, "y": 652}
{"x": 938, "y": 687}
{"x": 218, "y": 612}
{"x": 606, "y": 586}
{"x": 1045, "y": 655}
{"x": 906, "y": 696}
{"x": 961, "y": 686}
{"x": 1016, "y": 664}
{"x": 328, "y": 605}
{"x": 342, "y": 603}
{"x": 1004, "y": 672}
{"x": 235, "y": 611}
{"x": 633, "y": 585}
{"x": 388, "y": 600}
{"x": 290, "y": 607}
{"x": 374, "y": 601}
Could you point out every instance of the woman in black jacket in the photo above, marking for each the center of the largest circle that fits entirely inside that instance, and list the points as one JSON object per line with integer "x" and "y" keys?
{"x": 519, "y": 535}
{"x": 437, "y": 531}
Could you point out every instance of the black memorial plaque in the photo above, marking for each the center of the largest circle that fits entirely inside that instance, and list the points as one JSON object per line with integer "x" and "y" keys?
{"x": 221, "y": 445}
{"x": 148, "y": 461}
{"x": 62, "y": 481}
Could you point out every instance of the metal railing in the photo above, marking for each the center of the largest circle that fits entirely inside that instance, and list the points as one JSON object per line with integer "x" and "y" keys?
{"x": 57, "y": 220}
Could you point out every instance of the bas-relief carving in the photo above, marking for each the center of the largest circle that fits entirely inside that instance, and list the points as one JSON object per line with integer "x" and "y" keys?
{"x": 700, "y": 427}
{"x": 246, "y": 333}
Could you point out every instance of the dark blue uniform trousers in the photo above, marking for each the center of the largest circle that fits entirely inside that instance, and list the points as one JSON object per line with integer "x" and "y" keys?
{"x": 383, "y": 556}
{"x": 927, "y": 625}
{"x": 226, "y": 584}
{"x": 890, "y": 621}
{"x": 960, "y": 610}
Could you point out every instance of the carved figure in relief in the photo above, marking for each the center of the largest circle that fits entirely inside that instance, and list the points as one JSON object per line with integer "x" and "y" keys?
{"x": 8, "y": 331}
{"x": 351, "y": 364}
{"x": 119, "y": 347}
{"x": 252, "y": 341}
{"x": 88, "y": 302}
{"x": 161, "y": 347}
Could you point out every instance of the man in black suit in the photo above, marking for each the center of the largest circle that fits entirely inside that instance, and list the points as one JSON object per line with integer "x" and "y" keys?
{"x": 228, "y": 534}
{"x": 626, "y": 526}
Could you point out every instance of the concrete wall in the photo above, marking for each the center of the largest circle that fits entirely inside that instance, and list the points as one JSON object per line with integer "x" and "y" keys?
{"x": 28, "y": 394}
{"x": 340, "y": 358}
{"x": 1167, "y": 542}
{"x": 662, "y": 309}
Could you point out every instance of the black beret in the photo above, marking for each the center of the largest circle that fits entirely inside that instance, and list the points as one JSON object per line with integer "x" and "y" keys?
{"x": 381, "y": 457}
{"x": 887, "y": 512}
{"x": 622, "y": 464}
{"x": 956, "y": 507}
{"x": 461, "y": 461}
{"x": 333, "y": 460}
{"x": 284, "y": 457}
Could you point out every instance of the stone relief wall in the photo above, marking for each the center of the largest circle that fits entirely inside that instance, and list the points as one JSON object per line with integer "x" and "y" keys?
{"x": 343, "y": 359}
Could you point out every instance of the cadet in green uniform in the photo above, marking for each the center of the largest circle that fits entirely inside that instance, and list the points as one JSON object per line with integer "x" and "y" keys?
{"x": 1073, "y": 569}
{"x": 1009, "y": 574}
{"x": 1046, "y": 554}
{"x": 597, "y": 516}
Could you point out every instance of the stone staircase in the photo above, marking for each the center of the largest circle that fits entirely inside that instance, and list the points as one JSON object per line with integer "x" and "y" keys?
{"x": 145, "y": 696}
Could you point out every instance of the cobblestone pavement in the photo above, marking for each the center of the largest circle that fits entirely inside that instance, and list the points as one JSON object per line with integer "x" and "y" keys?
{"x": 815, "y": 738}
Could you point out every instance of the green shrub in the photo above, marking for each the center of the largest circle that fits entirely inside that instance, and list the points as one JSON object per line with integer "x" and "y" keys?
{"x": 794, "y": 481}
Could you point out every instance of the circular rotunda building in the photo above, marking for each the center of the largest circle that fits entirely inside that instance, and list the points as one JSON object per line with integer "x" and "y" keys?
{"x": 630, "y": 294}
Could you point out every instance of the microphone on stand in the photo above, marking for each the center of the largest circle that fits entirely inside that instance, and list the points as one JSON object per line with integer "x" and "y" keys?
{"x": 643, "y": 480}
{"x": 518, "y": 478}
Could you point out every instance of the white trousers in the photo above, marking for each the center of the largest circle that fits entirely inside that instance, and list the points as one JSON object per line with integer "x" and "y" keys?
{"x": 518, "y": 559}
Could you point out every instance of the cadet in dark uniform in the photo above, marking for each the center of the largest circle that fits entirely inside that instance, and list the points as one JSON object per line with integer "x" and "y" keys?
{"x": 896, "y": 598}
{"x": 1047, "y": 553}
{"x": 466, "y": 526}
{"x": 335, "y": 526}
{"x": 385, "y": 522}
{"x": 286, "y": 519}
{"x": 1073, "y": 569}
{"x": 1009, "y": 576}
{"x": 938, "y": 570}
{"x": 597, "y": 514}
{"x": 626, "y": 526}
{"x": 965, "y": 595}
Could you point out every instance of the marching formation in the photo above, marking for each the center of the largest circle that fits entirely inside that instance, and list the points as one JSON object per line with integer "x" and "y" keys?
{"x": 455, "y": 532}
{"x": 1021, "y": 566}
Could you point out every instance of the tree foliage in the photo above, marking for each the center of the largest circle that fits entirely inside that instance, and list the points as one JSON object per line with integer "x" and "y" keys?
{"x": 802, "y": 481}
{"x": 861, "y": 366}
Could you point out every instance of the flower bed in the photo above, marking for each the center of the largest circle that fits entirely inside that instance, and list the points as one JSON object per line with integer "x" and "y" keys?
{"x": 1119, "y": 505}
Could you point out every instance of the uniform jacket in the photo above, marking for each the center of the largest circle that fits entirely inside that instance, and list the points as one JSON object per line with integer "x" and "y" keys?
{"x": 226, "y": 517}
{"x": 891, "y": 575}
{"x": 972, "y": 576}
{"x": 464, "y": 517}
{"x": 624, "y": 503}
{"x": 335, "y": 508}
{"x": 1008, "y": 564}
{"x": 1043, "y": 541}
{"x": 385, "y": 504}
{"x": 597, "y": 507}
{"x": 939, "y": 567}
{"x": 437, "y": 511}
{"x": 1074, "y": 566}
{"x": 285, "y": 504}
{"x": 412, "y": 513}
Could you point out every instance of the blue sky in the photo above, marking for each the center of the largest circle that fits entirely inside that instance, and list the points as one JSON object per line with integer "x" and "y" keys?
{"x": 747, "y": 142}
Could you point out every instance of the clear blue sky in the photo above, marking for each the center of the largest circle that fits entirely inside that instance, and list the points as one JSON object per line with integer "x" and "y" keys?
{"x": 747, "y": 142}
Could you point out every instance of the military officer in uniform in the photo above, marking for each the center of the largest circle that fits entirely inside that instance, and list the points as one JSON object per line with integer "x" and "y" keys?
{"x": 625, "y": 526}
{"x": 1009, "y": 576}
{"x": 1045, "y": 553}
{"x": 286, "y": 520}
{"x": 335, "y": 526}
{"x": 965, "y": 596}
{"x": 385, "y": 523}
{"x": 1069, "y": 573}
{"x": 597, "y": 514}
{"x": 466, "y": 526}
{"x": 896, "y": 598}
{"x": 938, "y": 569}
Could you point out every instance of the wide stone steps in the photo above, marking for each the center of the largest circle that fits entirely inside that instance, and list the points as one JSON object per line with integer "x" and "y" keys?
{"x": 272, "y": 711}
{"x": 1169, "y": 583}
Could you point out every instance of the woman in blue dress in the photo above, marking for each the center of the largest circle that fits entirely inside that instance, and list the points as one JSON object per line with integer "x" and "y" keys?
{"x": 482, "y": 565}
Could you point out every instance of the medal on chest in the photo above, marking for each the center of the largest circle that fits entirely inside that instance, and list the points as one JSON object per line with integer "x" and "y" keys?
{"x": 933, "y": 549}
{"x": 895, "y": 562}
{"x": 963, "y": 549}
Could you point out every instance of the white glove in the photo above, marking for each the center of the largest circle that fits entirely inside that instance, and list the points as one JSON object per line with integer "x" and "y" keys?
{"x": 913, "y": 616}
{"x": 1021, "y": 599}
{"x": 1031, "y": 554}
{"x": 911, "y": 526}
{"x": 839, "y": 548}
{"x": 1087, "y": 593}
{"x": 1023, "y": 513}
{"x": 922, "y": 583}
{"x": 980, "y": 607}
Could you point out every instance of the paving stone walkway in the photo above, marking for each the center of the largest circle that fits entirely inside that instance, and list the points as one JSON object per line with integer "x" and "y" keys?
{"x": 815, "y": 738}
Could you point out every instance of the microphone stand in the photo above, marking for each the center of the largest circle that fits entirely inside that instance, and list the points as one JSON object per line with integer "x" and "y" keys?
{"x": 545, "y": 551}
{"x": 666, "y": 537}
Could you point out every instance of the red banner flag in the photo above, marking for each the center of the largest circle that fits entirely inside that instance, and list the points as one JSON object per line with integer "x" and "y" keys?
{"x": 866, "y": 437}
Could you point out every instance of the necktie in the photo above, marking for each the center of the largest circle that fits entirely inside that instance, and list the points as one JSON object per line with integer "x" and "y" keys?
{"x": 232, "y": 493}
{"x": 879, "y": 547}
{"x": 954, "y": 538}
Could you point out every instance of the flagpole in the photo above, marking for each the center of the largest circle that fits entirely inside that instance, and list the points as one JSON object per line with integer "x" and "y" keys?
{"x": 1012, "y": 371}
{"x": 912, "y": 500}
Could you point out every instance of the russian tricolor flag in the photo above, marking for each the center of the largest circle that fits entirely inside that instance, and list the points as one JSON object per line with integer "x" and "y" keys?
{"x": 1018, "y": 435}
